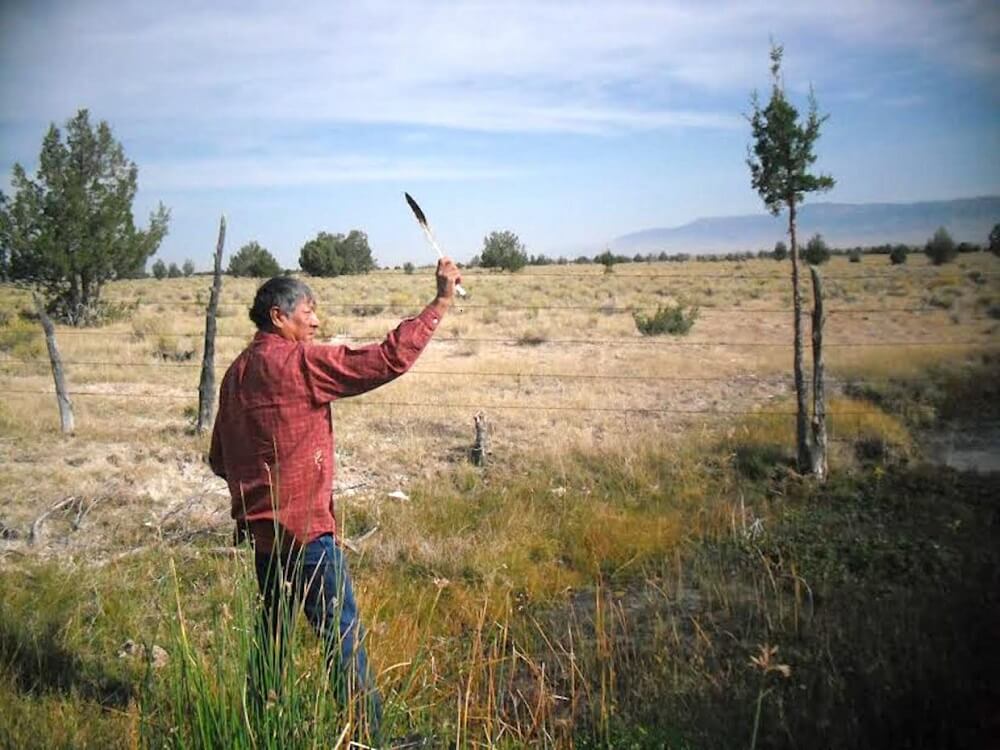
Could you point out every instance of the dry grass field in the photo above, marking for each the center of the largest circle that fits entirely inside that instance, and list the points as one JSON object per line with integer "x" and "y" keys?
{"x": 612, "y": 455}
{"x": 551, "y": 355}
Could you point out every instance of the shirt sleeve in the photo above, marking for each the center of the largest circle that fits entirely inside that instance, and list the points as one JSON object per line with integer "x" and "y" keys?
{"x": 333, "y": 372}
{"x": 216, "y": 460}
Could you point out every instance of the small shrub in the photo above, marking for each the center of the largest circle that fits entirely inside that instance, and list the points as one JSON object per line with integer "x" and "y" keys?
{"x": 943, "y": 302}
{"x": 173, "y": 349}
{"x": 941, "y": 247}
{"x": 114, "y": 311}
{"x": 816, "y": 252}
{"x": 897, "y": 256}
{"x": 364, "y": 311}
{"x": 532, "y": 338}
{"x": 673, "y": 319}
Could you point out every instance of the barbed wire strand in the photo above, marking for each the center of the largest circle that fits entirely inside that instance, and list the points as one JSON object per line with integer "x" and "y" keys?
{"x": 834, "y": 434}
{"x": 355, "y": 401}
{"x": 532, "y": 340}
{"x": 518, "y": 375}
{"x": 371, "y": 308}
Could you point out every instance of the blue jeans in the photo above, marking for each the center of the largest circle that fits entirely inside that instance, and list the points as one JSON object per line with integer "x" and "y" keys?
{"x": 315, "y": 576}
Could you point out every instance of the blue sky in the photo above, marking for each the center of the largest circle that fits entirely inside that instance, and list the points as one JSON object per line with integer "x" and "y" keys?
{"x": 568, "y": 122}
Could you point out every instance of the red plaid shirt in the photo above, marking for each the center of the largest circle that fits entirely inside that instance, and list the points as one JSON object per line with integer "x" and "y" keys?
{"x": 273, "y": 436}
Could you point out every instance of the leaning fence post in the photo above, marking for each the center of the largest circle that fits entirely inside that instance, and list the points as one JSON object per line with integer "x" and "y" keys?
{"x": 62, "y": 395}
{"x": 480, "y": 449}
{"x": 818, "y": 451}
{"x": 206, "y": 388}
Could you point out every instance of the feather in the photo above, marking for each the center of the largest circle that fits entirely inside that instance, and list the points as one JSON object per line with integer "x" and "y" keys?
{"x": 422, "y": 220}
{"x": 416, "y": 211}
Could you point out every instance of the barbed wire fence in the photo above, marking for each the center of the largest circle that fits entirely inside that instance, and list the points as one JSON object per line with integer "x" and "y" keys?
{"x": 366, "y": 308}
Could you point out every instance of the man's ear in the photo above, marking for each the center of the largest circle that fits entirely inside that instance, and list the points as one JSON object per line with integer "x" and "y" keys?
{"x": 278, "y": 318}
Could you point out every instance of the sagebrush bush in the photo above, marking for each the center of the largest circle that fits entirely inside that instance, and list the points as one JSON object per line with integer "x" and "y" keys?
{"x": 676, "y": 320}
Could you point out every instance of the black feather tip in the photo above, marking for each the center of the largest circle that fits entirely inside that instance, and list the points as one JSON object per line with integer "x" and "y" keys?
{"x": 416, "y": 210}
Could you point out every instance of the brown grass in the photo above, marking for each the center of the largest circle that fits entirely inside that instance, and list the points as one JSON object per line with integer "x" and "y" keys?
{"x": 492, "y": 354}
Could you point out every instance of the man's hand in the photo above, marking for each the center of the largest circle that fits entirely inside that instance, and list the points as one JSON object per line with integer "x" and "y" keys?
{"x": 448, "y": 276}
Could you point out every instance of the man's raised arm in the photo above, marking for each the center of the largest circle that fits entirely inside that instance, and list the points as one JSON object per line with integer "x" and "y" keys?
{"x": 334, "y": 372}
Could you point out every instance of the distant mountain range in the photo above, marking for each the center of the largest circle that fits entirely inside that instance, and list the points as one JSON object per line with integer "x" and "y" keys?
{"x": 841, "y": 224}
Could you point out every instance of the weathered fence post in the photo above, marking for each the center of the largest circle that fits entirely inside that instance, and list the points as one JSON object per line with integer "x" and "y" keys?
{"x": 62, "y": 395}
{"x": 480, "y": 449}
{"x": 818, "y": 450}
{"x": 206, "y": 389}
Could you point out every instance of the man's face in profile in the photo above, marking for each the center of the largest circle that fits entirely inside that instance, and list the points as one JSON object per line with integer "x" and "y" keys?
{"x": 301, "y": 325}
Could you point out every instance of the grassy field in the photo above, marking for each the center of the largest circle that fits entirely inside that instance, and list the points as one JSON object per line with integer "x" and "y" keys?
{"x": 618, "y": 576}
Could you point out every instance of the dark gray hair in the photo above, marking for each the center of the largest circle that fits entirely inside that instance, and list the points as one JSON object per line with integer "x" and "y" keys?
{"x": 283, "y": 292}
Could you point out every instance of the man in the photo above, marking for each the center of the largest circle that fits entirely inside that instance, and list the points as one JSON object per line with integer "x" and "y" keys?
{"x": 273, "y": 443}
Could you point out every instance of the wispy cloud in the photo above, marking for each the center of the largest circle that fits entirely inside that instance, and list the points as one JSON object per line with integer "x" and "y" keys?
{"x": 531, "y": 66}
{"x": 636, "y": 103}
{"x": 281, "y": 172}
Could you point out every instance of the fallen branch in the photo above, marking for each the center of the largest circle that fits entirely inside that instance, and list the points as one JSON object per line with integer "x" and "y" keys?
{"x": 354, "y": 545}
{"x": 36, "y": 527}
{"x": 83, "y": 511}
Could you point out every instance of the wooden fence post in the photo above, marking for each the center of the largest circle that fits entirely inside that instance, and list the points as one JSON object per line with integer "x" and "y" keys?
{"x": 480, "y": 449}
{"x": 62, "y": 395}
{"x": 818, "y": 448}
{"x": 206, "y": 388}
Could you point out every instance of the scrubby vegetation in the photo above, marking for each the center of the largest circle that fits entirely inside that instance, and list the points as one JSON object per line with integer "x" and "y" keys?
{"x": 634, "y": 598}
{"x": 610, "y": 579}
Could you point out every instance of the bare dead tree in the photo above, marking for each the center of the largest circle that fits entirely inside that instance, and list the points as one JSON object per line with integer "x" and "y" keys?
{"x": 818, "y": 447}
{"x": 58, "y": 375}
{"x": 206, "y": 388}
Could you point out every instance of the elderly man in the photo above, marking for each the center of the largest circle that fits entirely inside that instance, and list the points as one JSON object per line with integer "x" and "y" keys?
{"x": 273, "y": 443}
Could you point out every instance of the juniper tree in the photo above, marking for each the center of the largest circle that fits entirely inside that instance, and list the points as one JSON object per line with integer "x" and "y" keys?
{"x": 780, "y": 159}
{"x": 253, "y": 260}
{"x": 69, "y": 229}
{"x": 503, "y": 250}
{"x": 335, "y": 254}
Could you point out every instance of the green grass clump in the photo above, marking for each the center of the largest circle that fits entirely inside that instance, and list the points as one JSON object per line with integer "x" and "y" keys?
{"x": 675, "y": 320}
